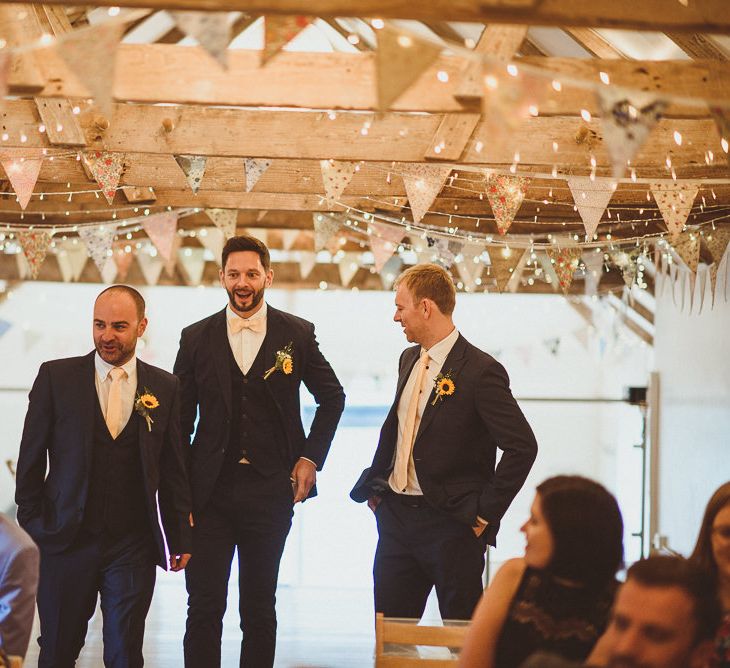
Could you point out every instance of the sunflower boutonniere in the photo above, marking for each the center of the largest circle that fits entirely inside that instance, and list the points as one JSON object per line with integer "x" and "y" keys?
{"x": 443, "y": 386}
{"x": 284, "y": 361}
{"x": 144, "y": 404}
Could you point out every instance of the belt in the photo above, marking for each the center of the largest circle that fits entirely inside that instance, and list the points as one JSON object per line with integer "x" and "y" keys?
{"x": 410, "y": 500}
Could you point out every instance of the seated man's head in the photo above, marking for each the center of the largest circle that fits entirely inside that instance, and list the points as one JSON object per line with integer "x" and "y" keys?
{"x": 664, "y": 616}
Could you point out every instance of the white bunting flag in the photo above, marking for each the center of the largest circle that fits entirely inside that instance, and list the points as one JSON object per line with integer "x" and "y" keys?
{"x": 423, "y": 183}
{"x": 212, "y": 30}
{"x": 591, "y": 198}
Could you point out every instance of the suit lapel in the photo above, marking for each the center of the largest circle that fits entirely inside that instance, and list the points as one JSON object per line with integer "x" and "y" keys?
{"x": 220, "y": 351}
{"x": 272, "y": 341}
{"x": 453, "y": 362}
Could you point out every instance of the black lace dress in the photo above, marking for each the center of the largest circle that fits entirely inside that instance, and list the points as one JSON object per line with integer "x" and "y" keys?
{"x": 549, "y": 616}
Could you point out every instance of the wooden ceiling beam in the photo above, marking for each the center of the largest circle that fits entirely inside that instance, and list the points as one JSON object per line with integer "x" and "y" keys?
{"x": 697, "y": 46}
{"x": 594, "y": 43}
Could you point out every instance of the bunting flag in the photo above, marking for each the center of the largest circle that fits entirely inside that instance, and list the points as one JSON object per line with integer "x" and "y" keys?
{"x": 211, "y": 30}
{"x": 591, "y": 198}
{"x": 288, "y": 237}
{"x": 505, "y": 195}
{"x": 193, "y": 166}
{"x": 22, "y": 266}
{"x": 192, "y": 264}
{"x": 687, "y": 247}
{"x": 261, "y": 233}
{"x": 502, "y": 274}
{"x": 307, "y": 260}
{"x": 106, "y": 168}
{"x": 390, "y": 272}
{"x": 594, "y": 271}
{"x": 565, "y": 262}
{"x": 722, "y": 120}
{"x": 336, "y": 175}
{"x": 627, "y": 119}
{"x": 325, "y": 227}
{"x": 212, "y": 239}
{"x": 470, "y": 272}
{"x": 384, "y": 240}
{"x": 92, "y": 57}
{"x": 675, "y": 203}
{"x": 98, "y": 242}
{"x": 171, "y": 263}
{"x": 279, "y": 31}
{"x": 717, "y": 244}
{"x": 348, "y": 266}
{"x": 22, "y": 172}
{"x": 423, "y": 183}
{"x": 254, "y": 168}
{"x": 122, "y": 259}
{"x": 35, "y": 246}
{"x": 161, "y": 228}
{"x": 399, "y": 60}
{"x": 109, "y": 271}
{"x": 225, "y": 220}
{"x": 151, "y": 264}
{"x": 71, "y": 258}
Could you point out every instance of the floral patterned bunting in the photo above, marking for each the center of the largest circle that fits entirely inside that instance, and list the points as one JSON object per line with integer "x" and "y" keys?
{"x": 384, "y": 240}
{"x": 212, "y": 30}
{"x": 107, "y": 170}
{"x": 687, "y": 247}
{"x": 255, "y": 168}
{"x": 325, "y": 227}
{"x": 591, "y": 198}
{"x": 505, "y": 194}
{"x": 225, "y": 220}
{"x": 35, "y": 246}
{"x": 675, "y": 203}
{"x": 193, "y": 166}
{"x": 279, "y": 31}
{"x": 336, "y": 175}
{"x": 98, "y": 242}
{"x": 565, "y": 262}
{"x": 161, "y": 228}
{"x": 423, "y": 183}
{"x": 22, "y": 172}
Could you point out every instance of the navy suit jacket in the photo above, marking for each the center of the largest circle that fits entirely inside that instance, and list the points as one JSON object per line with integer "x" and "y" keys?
{"x": 59, "y": 426}
{"x": 203, "y": 366}
{"x": 455, "y": 449}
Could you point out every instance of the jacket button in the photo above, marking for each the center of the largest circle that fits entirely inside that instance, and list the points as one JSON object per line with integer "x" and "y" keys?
{"x": 245, "y": 381}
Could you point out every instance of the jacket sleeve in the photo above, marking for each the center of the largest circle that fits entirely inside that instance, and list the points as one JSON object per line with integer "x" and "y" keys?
{"x": 184, "y": 369}
{"x": 321, "y": 381}
{"x": 34, "y": 445}
{"x": 509, "y": 429}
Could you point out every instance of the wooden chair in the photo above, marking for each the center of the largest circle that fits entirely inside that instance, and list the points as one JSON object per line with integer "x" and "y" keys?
{"x": 406, "y": 632}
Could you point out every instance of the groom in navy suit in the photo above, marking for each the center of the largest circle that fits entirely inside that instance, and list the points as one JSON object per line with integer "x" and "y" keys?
{"x": 100, "y": 446}
{"x": 250, "y": 460}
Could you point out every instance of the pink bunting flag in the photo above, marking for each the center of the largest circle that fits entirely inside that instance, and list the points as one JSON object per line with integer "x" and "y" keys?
{"x": 22, "y": 172}
{"x": 161, "y": 228}
{"x": 505, "y": 194}
{"x": 107, "y": 170}
{"x": 565, "y": 262}
{"x": 279, "y": 31}
{"x": 675, "y": 203}
{"x": 193, "y": 166}
{"x": 35, "y": 246}
{"x": 255, "y": 168}
{"x": 336, "y": 175}
{"x": 122, "y": 259}
{"x": 591, "y": 198}
{"x": 423, "y": 183}
{"x": 98, "y": 241}
{"x": 212, "y": 30}
{"x": 384, "y": 240}
{"x": 225, "y": 220}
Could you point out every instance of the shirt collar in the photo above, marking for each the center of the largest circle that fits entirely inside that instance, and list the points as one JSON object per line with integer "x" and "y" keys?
{"x": 231, "y": 315}
{"x": 438, "y": 352}
{"x": 103, "y": 368}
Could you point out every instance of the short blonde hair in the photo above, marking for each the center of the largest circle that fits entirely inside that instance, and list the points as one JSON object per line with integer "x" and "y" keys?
{"x": 430, "y": 281}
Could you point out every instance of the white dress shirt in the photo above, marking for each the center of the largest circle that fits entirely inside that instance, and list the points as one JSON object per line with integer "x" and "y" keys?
{"x": 437, "y": 354}
{"x": 246, "y": 344}
{"x": 128, "y": 390}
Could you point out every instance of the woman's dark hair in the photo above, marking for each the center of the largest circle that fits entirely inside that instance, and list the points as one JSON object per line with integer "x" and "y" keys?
{"x": 587, "y": 529}
{"x": 246, "y": 243}
{"x": 702, "y": 554}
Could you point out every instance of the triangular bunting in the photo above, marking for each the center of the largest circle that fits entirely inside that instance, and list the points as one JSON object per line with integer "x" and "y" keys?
{"x": 161, "y": 228}
{"x": 212, "y": 238}
{"x": 591, "y": 198}
{"x": 193, "y": 166}
{"x": 336, "y": 175}
{"x": 109, "y": 271}
{"x": 717, "y": 242}
{"x": 423, "y": 184}
{"x": 122, "y": 259}
{"x": 106, "y": 168}
{"x": 505, "y": 195}
{"x": 627, "y": 118}
{"x": 384, "y": 240}
{"x": 288, "y": 237}
{"x": 565, "y": 263}
{"x": 687, "y": 247}
{"x": 22, "y": 172}
{"x": 348, "y": 266}
{"x": 192, "y": 264}
{"x": 400, "y": 59}
{"x": 171, "y": 263}
{"x": 254, "y": 168}
{"x": 470, "y": 272}
{"x": 212, "y": 30}
{"x": 98, "y": 242}
{"x": 91, "y": 53}
{"x": 307, "y": 260}
{"x": 225, "y": 220}
{"x": 594, "y": 271}
{"x": 390, "y": 271}
{"x": 71, "y": 259}
{"x": 35, "y": 246}
{"x": 261, "y": 233}
{"x": 722, "y": 120}
{"x": 279, "y": 31}
{"x": 675, "y": 203}
{"x": 325, "y": 228}
{"x": 151, "y": 265}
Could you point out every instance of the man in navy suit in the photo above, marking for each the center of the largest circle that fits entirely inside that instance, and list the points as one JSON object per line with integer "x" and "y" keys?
{"x": 434, "y": 485}
{"x": 250, "y": 461}
{"x": 100, "y": 445}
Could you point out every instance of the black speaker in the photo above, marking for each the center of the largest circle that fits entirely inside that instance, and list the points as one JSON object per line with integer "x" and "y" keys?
{"x": 635, "y": 396}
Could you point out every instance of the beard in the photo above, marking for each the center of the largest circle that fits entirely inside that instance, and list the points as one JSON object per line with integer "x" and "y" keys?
{"x": 115, "y": 353}
{"x": 236, "y": 297}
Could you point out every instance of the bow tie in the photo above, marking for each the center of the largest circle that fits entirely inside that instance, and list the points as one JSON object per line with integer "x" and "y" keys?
{"x": 255, "y": 325}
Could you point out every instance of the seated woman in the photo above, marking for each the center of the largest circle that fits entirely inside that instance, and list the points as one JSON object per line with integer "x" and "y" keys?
{"x": 712, "y": 552}
{"x": 557, "y": 597}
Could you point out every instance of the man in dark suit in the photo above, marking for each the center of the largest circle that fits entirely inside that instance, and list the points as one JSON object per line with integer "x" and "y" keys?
{"x": 433, "y": 486}
{"x": 109, "y": 426}
{"x": 250, "y": 460}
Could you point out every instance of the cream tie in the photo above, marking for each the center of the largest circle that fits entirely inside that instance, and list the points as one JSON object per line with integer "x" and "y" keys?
{"x": 114, "y": 403}
{"x": 403, "y": 455}
{"x": 239, "y": 324}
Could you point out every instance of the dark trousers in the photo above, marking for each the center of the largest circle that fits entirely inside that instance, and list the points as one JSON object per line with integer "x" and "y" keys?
{"x": 119, "y": 569}
{"x": 252, "y": 513}
{"x": 420, "y": 547}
